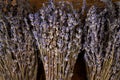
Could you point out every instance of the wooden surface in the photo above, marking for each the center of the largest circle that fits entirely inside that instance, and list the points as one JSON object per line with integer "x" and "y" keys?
{"x": 38, "y": 3}
{"x": 1, "y": 78}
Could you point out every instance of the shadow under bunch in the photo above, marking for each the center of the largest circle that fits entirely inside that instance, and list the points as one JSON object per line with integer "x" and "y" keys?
{"x": 57, "y": 30}
{"x": 18, "y": 52}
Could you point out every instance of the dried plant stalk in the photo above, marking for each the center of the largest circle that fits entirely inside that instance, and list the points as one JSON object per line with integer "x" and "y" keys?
{"x": 18, "y": 57}
{"x": 57, "y": 30}
{"x": 102, "y": 44}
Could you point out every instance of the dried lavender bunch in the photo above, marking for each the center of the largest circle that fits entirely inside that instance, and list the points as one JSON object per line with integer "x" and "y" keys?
{"x": 102, "y": 45}
{"x": 18, "y": 57}
{"x": 57, "y": 30}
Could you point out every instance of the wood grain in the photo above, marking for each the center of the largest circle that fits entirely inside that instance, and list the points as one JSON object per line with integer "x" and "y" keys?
{"x": 38, "y": 3}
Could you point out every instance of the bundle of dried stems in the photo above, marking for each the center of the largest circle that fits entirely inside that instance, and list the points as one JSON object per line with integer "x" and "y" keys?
{"x": 18, "y": 57}
{"x": 57, "y": 30}
{"x": 102, "y": 44}
{"x": 57, "y": 33}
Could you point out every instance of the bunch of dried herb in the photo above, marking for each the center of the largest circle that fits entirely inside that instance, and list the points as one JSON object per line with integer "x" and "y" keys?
{"x": 57, "y": 30}
{"x": 18, "y": 52}
{"x": 57, "y": 33}
{"x": 102, "y": 44}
